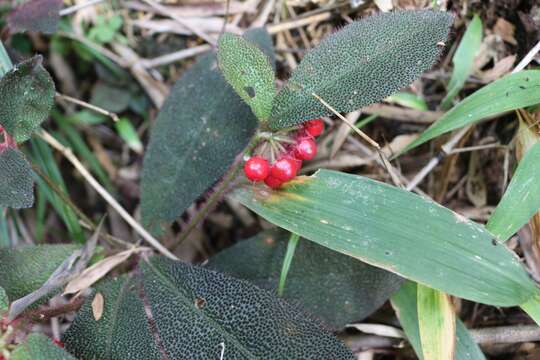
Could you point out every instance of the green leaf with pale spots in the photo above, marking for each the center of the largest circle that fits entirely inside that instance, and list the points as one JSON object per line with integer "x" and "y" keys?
{"x": 172, "y": 310}
{"x": 398, "y": 231}
{"x": 26, "y": 97}
{"x": 16, "y": 183}
{"x": 334, "y": 287}
{"x": 39, "y": 347}
{"x": 361, "y": 64}
{"x": 198, "y": 133}
{"x": 249, "y": 72}
{"x": 4, "y": 301}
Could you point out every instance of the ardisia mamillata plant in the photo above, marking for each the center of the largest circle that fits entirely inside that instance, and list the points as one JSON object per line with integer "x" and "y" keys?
{"x": 342, "y": 244}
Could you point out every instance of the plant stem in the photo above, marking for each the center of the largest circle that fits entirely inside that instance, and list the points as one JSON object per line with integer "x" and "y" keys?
{"x": 287, "y": 260}
{"x": 218, "y": 193}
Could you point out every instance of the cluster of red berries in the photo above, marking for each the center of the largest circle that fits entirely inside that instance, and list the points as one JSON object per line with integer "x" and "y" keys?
{"x": 292, "y": 151}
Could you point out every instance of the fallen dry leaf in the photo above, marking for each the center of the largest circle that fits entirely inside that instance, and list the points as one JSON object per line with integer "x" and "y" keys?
{"x": 505, "y": 30}
{"x": 501, "y": 68}
{"x": 97, "y": 306}
{"x": 96, "y": 272}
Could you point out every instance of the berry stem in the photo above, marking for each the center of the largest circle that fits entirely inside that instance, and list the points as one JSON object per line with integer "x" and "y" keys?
{"x": 230, "y": 175}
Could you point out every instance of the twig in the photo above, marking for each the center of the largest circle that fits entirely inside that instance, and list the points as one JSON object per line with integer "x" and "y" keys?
{"x": 68, "y": 154}
{"x": 389, "y": 168}
{"x": 527, "y": 59}
{"x": 89, "y": 106}
{"x": 296, "y": 23}
{"x": 175, "y": 56}
{"x": 506, "y": 334}
{"x": 476, "y": 148}
{"x": 78, "y": 7}
{"x": 165, "y": 12}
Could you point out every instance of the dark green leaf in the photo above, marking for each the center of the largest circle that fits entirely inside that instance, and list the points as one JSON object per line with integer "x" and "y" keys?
{"x": 26, "y": 97}
{"x": 25, "y": 269}
{"x": 405, "y": 304}
{"x": 16, "y": 184}
{"x": 521, "y": 199}
{"x": 248, "y": 71}
{"x": 173, "y": 310}
{"x": 4, "y": 301}
{"x": 513, "y": 91}
{"x": 110, "y": 97}
{"x": 334, "y": 287}
{"x": 396, "y": 230}
{"x": 363, "y": 63}
{"x": 39, "y": 347}
{"x": 201, "y": 128}
{"x": 35, "y": 15}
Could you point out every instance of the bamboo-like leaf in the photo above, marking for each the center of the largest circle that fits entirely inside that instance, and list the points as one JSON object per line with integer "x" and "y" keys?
{"x": 405, "y": 304}
{"x": 362, "y": 63}
{"x": 248, "y": 70}
{"x": 463, "y": 60}
{"x": 513, "y": 91}
{"x": 437, "y": 324}
{"x": 521, "y": 199}
{"x": 396, "y": 230}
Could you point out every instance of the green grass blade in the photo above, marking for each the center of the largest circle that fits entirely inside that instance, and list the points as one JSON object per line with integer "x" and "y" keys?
{"x": 396, "y": 230}
{"x": 513, "y": 91}
{"x": 521, "y": 199}
{"x": 463, "y": 60}
{"x": 287, "y": 260}
{"x": 437, "y": 323}
{"x": 405, "y": 304}
{"x": 409, "y": 100}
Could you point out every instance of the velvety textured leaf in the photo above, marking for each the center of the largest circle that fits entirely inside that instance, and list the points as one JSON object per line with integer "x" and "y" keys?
{"x": 16, "y": 183}
{"x": 39, "y": 347}
{"x": 396, "y": 230}
{"x": 362, "y": 63}
{"x": 405, "y": 304}
{"x": 263, "y": 40}
{"x": 36, "y": 15}
{"x": 334, "y": 287}
{"x": 4, "y": 301}
{"x": 26, "y": 268}
{"x": 26, "y": 97}
{"x": 248, "y": 71}
{"x": 201, "y": 128}
{"x": 521, "y": 199}
{"x": 194, "y": 313}
{"x": 513, "y": 91}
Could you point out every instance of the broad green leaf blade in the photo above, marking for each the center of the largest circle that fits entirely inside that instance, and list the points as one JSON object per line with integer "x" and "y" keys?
{"x": 437, "y": 324}
{"x": 25, "y": 269}
{"x": 521, "y": 199}
{"x": 396, "y": 230}
{"x": 26, "y": 97}
{"x": 16, "y": 184}
{"x": 513, "y": 91}
{"x": 362, "y": 63}
{"x": 39, "y": 347}
{"x": 463, "y": 60}
{"x": 198, "y": 133}
{"x": 334, "y": 287}
{"x": 248, "y": 71}
{"x": 405, "y": 304}
{"x": 195, "y": 313}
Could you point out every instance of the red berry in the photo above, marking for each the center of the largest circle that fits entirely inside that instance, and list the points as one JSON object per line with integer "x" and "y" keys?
{"x": 257, "y": 168}
{"x": 306, "y": 149}
{"x": 284, "y": 169}
{"x": 273, "y": 182}
{"x": 58, "y": 342}
{"x": 314, "y": 127}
